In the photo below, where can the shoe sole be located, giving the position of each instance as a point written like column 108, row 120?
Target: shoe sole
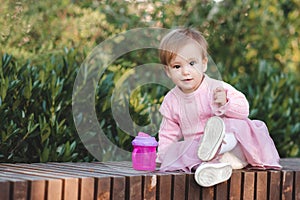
column 208, row 174
column 214, row 133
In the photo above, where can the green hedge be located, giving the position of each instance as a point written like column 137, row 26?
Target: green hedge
column 35, row 111
column 273, row 96
column 36, row 108
column 255, row 44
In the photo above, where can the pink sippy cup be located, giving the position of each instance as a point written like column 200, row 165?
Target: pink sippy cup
column 144, row 152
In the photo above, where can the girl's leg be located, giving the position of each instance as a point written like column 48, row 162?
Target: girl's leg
column 235, row 157
column 229, row 142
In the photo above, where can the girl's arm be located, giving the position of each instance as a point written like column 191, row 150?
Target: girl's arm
column 169, row 133
column 235, row 106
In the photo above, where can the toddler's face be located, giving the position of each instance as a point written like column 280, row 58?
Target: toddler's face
column 187, row 68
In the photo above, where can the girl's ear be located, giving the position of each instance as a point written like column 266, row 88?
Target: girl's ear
column 204, row 64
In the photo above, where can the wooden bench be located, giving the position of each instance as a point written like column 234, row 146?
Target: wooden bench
column 117, row 180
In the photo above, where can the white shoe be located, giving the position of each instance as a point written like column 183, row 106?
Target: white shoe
column 213, row 136
column 209, row 174
column 235, row 158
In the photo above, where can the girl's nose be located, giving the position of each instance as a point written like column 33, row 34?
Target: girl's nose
column 185, row 69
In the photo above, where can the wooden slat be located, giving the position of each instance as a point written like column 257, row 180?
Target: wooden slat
column 164, row 188
column 178, row 186
column 194, row 190
column 149, row 187
column 54, row 189
column 292, row 164
column 4, row 189
column 103, row 188
column 134, row 187
column 274, row 184
column 118, row 188
column 287, row 185
column 19, row 190
column 235, row 185
column 261, row 185
column 39, row 171
column 95, row 168
column 248, row 188
column 70, row 188
column 208, row 193
column 37, row 189
column 87, row 188
column 222, row 191
column 297, row 185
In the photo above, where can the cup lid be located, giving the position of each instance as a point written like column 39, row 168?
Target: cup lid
column 143, row 139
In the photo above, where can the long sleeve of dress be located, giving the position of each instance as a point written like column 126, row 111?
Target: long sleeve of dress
column 169, row 131
column 237, row 105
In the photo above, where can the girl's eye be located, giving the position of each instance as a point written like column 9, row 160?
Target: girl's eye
column 192, row 63
column 176, row 66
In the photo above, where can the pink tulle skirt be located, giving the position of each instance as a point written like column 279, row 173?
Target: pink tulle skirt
column 252, row 135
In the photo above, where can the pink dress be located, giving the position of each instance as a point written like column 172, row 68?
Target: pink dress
column 184, row 119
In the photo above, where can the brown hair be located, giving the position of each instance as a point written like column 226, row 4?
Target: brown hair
column 177, row 38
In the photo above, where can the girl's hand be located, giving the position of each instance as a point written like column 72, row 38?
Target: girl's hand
column 220, row 96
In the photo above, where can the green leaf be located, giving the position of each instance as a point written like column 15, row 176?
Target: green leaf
column 45, row 154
